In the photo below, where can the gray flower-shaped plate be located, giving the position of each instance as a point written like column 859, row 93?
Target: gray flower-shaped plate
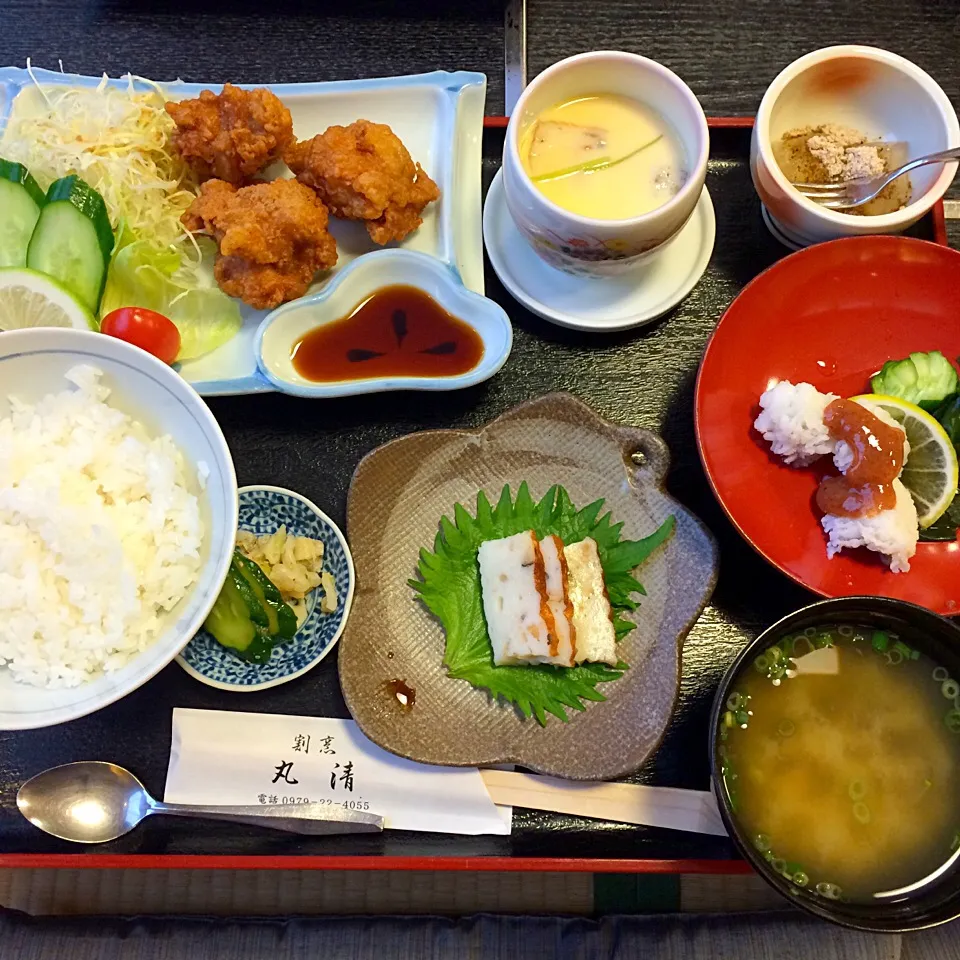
column 397, row 497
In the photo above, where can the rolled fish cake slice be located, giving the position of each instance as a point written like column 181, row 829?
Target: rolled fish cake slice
column 558, row 601
column 520, row 622
column 596, row 639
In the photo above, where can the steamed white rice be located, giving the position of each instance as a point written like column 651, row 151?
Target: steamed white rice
column 791, row 421
column 99, row 535
column 893, row 533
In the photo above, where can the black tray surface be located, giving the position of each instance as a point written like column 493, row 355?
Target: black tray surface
column 728, row 51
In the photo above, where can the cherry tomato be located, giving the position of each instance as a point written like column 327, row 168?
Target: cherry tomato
column 145, row 329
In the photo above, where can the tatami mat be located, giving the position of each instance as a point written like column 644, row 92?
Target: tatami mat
column 312, row 892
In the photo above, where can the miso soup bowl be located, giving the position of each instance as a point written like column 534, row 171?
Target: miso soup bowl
column 874, row 91
column 931, row 903
column 589, row 247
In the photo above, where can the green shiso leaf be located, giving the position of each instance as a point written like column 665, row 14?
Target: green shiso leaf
column 449, row 586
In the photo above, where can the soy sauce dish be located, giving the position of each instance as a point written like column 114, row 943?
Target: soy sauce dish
column 836, row 761
column 392, row 320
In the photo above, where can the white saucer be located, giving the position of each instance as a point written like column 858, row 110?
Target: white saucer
column 791, row 240
column 585, row 303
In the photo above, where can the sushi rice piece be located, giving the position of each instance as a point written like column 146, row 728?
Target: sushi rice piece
column 893, row 533
column 791, row 421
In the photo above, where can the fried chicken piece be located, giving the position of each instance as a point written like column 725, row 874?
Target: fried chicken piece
column 364, row 172
column 272, row 238
column 233, row 135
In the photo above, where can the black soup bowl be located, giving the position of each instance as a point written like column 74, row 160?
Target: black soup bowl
column 933, row 902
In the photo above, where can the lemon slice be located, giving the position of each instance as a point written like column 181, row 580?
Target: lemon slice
column 31, row 299
column 931, row 470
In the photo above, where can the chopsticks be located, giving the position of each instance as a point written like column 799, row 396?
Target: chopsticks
column 671, row 807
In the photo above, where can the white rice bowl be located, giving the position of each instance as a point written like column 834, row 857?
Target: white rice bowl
column 139, row 555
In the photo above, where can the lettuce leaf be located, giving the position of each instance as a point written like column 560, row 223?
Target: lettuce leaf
column 163, row 278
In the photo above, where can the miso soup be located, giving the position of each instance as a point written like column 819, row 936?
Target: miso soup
column 840, row 752
column 605, row 157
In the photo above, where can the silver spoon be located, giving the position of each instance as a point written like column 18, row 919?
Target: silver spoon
column 92, row 802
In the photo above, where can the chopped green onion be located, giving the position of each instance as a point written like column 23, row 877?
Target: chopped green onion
column 950, row 689
column 861, row 812
column 810, row 632
column 590, row 166
column 800, row 878
column 735, row 701
column 786, row 728
column 952, row 720
column 761, row 663
column 914, row 654
column 742, row 718
column 857, row 790
column 829, row 890
column 728, row 720
column 894, row 657
column 762, row 842
column 778, row 864
column 903, row 649
column 880, row 641
column 774, row 653
column 940, row 674
column 845, row 630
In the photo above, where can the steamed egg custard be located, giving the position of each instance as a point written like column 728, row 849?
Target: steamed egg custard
column 839, row 752
column 605, row 157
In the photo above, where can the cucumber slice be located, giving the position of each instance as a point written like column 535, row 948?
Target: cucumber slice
column 72, row 240
column 20, row 203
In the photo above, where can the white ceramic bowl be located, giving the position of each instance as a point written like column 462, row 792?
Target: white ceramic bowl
column 32, row 364
column 874, row 91
column 585, row 246
column 384, row 268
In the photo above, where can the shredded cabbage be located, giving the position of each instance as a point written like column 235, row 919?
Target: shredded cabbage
column 117, row 139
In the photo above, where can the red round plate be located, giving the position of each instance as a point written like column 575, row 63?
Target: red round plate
column 829, row 315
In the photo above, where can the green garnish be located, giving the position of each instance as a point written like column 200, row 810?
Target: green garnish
column 926, row 379
column 590, row 166
column 880, row 641
column 450, row 589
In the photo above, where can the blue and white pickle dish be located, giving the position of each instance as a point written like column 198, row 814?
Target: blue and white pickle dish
column 263, row 510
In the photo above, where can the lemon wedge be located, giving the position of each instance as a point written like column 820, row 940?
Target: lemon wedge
column 31, row 299
column 931, row 471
